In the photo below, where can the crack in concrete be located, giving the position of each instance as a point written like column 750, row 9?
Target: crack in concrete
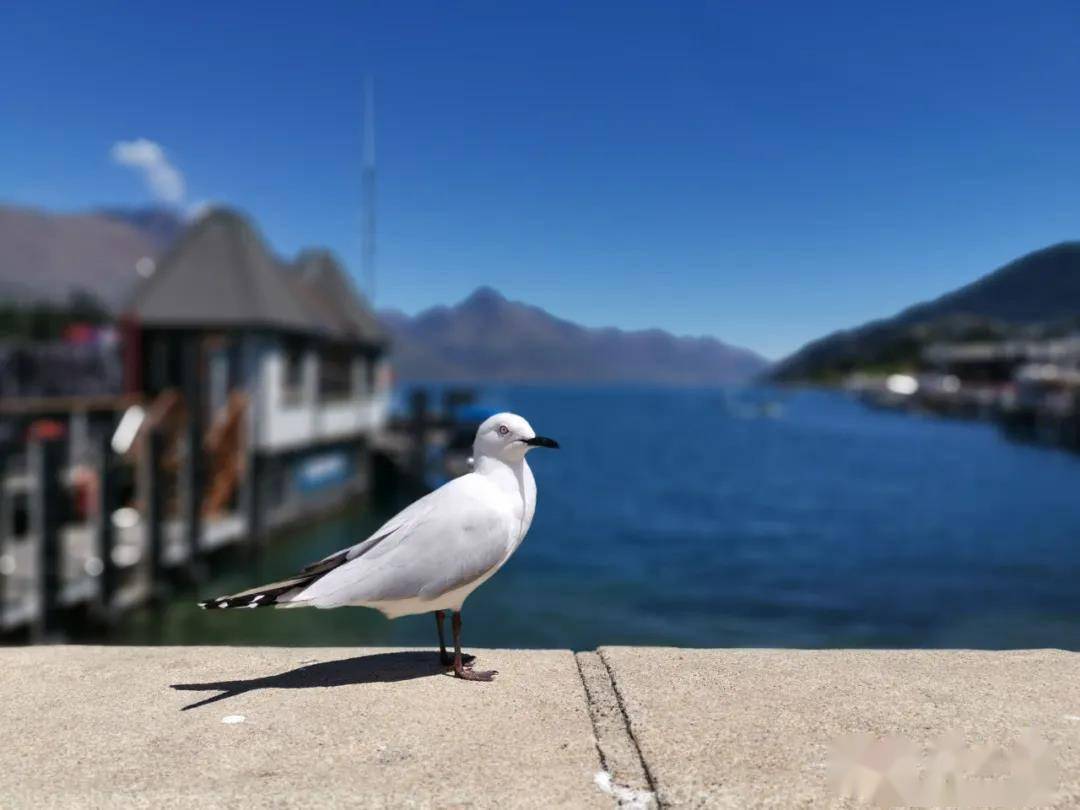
column 625, row 774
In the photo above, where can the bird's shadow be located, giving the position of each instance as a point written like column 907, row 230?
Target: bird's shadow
column 386, row 667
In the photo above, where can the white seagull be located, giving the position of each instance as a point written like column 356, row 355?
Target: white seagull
column 435, row 552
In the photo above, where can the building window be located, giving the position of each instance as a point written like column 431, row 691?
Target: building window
column 292, row 375
column 335, row 374
column 371, row 381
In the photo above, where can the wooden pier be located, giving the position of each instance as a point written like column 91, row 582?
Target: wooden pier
column 88, row 533
column 85, row 528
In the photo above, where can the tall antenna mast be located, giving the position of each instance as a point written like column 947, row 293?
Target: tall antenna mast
column 368, row 261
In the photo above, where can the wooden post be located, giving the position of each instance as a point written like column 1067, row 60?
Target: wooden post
column 45, row 457
column 250, row 380
column 253, row 507
column 6, row 524
column 362, row 471
column 106, row 534
column 154, row 503
column 131, row 341
column 193, row 463
column 418, row 401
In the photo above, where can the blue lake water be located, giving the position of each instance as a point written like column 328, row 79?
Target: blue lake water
column 705, row 518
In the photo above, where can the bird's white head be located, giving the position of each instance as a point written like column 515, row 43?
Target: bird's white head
column 508, row 437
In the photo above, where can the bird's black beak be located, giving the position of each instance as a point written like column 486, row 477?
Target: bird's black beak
column 542, row 441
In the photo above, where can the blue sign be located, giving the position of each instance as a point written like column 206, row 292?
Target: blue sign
column 323, row 470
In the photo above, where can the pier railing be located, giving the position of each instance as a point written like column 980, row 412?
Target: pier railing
column 86, row 529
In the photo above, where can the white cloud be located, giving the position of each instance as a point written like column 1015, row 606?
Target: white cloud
column 198, row 210
column 147, row 157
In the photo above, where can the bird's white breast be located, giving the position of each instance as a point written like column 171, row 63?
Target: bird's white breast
column 528, row 499
column 517, row 490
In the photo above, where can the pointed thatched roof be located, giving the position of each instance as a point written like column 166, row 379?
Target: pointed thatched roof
column 333, row 299
column 219, row 274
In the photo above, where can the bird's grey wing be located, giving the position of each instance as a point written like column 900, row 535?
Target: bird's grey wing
column 387, row 537
column 454, row 542
column 410, row 514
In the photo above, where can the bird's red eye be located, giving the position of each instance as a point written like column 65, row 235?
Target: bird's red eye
column 503, row 430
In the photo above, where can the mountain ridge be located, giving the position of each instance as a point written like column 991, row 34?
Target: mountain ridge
column 49, row 257
column 1040, row 288
column 487, row 337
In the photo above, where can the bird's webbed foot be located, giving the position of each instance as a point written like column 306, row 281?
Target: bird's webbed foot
column 468, row 674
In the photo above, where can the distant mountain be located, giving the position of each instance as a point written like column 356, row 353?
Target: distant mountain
column 47, row 257
column 55, row 258
column 1041, row 288
column 162, row 225
column 488, row 338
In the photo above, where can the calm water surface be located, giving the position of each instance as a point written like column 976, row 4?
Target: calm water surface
column 702, row 518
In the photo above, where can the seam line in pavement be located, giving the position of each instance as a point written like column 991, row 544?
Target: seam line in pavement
column 630, row 728
column 631, row 783
column 591, row 705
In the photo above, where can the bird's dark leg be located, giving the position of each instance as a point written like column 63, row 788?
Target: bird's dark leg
column 445, row 658
column 460, row 670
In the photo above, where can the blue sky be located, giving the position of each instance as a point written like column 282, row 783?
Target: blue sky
column 762, row 172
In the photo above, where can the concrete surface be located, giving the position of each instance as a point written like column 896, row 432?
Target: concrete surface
column 755, row 728
column 636, row 727
column 107, row 727
column 623, row 775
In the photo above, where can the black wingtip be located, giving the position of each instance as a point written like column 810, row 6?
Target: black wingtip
column 252, row 600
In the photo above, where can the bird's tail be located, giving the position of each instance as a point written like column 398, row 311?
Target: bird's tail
column 283, row 593
column 276, row 594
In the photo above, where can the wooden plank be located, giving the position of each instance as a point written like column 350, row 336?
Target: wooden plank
column 28, row 406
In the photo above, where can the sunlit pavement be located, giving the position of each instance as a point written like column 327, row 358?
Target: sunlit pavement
column 311, row 727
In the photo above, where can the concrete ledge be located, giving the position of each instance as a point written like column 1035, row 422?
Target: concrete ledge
column 148, row 727
column 311, row 727
column 755, row 728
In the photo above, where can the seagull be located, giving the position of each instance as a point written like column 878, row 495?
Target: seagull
column 435, row 552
